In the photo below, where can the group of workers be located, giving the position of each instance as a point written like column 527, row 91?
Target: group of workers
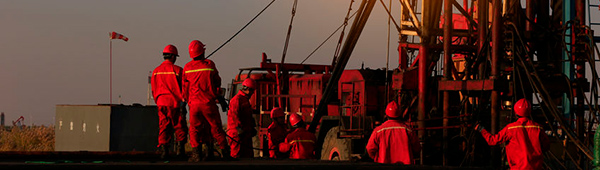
column 395, row 142
column 198, row 85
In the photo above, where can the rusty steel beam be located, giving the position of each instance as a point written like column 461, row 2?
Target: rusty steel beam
column 295, row 67
column 465, row 13
column 579, row 65
column 468, row 85
column 497, row 48
column 482, row 14
column 430, row 20
column 530, row 13
column 437, row 47
column 414, row 19
column 422, row 93
column 448, row 64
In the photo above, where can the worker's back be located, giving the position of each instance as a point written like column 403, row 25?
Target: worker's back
column 276, row 134
column 301, row 144
column 526, row 144
column 393, row 142
column 525, row 140
column 201, row 82
column 166, row 88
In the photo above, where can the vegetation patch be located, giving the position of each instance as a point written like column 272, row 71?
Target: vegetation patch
column 30, row 138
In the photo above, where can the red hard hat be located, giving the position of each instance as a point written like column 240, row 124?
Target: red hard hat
column 171, row 49
column 392, row 110
column 249, row 83
column 196, row 48
column 295, row 119
column 523, row 108
column 277, row 112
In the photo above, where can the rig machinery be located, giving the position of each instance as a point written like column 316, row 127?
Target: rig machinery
column 459, row 63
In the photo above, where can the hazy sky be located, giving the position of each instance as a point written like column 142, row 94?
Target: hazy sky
column 57, row 52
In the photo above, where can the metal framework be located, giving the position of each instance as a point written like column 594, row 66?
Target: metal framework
column 499, row 56
column 459, row 63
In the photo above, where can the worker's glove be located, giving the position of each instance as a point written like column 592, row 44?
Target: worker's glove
column 223, row 103
column 479, row 127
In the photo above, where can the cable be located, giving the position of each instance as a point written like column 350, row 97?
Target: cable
column 327, row 39
column 477, row 116
column 390, row 15
column 549, row 104
column 535, row 88
column 232, row 139
column 339, row 44
column 594, row 110
column 289, row 32
column 240, row 29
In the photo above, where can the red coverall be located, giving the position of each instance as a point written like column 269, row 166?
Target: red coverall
column 166, row 90
column 201, row 83
column 300, row 143
column 240, row 117
column 276, row 134
column 526, row 143
column 393, row 142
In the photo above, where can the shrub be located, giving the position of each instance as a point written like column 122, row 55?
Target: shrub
column 32, row 138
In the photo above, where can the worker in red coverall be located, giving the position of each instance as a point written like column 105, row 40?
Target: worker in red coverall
column 525, row 140
column 393, row 141
column 276, row 133
column 166, row 90
column 240, row 123
column 299, row 143
column 201, row 86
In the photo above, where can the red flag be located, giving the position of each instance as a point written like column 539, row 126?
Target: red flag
column 114, row 35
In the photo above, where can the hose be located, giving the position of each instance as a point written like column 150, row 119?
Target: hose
column 549, row 104
column 232, row 139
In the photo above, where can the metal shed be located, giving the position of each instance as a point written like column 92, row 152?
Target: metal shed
column 106, row 128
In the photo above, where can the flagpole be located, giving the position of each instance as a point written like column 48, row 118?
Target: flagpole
column 113, row 35
column 149, row 87
column 110, row 72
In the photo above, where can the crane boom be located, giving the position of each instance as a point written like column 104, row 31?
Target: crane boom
column 357, row 27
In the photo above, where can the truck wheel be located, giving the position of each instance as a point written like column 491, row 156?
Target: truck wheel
column 335, row 148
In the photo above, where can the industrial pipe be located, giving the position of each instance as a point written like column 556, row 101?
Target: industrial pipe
column 495, row 72
column 482, row 14
column 447, row 71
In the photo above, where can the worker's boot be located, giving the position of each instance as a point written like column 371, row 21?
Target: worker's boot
column 209, row 152
column 180, row 150
column 195, row 156
column 226, row 154
column 164, row 151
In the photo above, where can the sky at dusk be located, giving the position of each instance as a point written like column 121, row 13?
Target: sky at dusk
column 57, row 52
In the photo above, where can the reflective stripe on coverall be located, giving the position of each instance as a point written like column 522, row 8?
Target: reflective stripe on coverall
column 300, row 143
column 166, row 90
column 393, row 142
column 526, row 142
column 201, row 82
